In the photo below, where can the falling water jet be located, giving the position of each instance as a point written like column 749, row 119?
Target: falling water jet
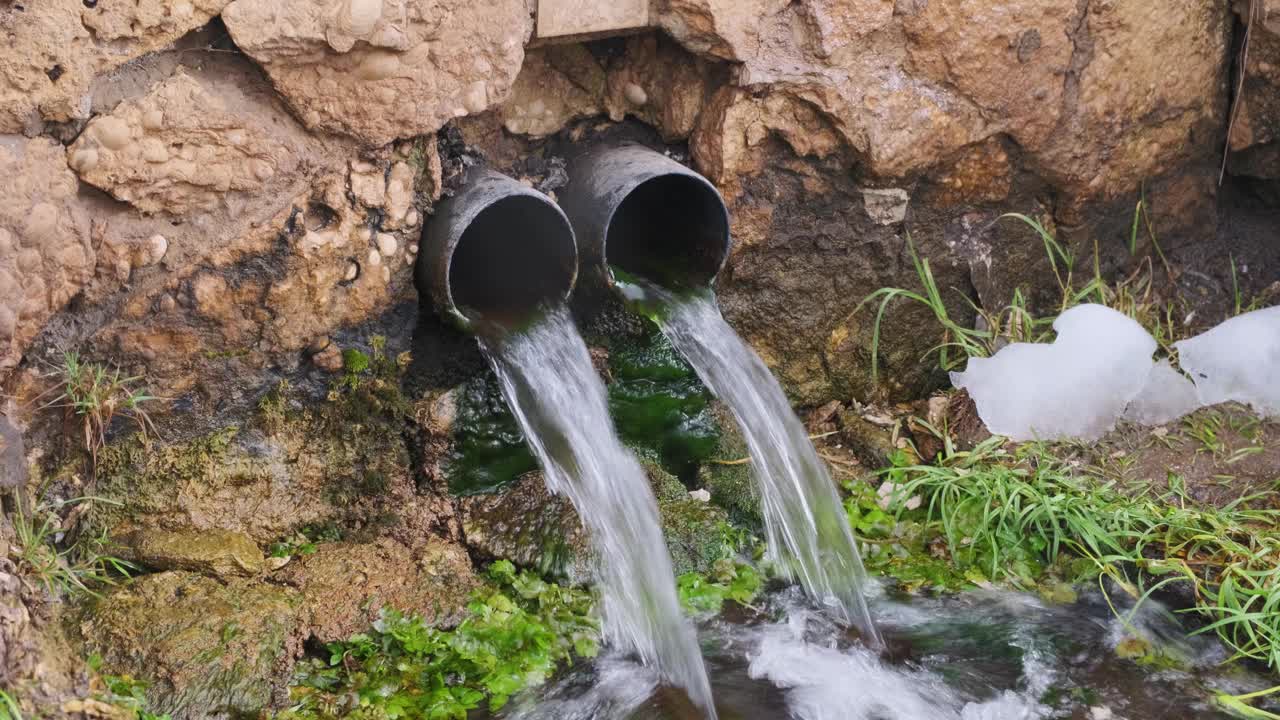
column 659, row 234
column 500, row 260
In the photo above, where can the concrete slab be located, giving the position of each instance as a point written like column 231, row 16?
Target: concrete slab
column 577, row 17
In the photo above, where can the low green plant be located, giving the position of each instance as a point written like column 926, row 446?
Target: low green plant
column 303, row 542
column 96, row 395
column 517, row 632
column 729, row 579
column 81, row 567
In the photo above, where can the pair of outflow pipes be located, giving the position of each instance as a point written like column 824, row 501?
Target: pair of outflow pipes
column 499, row 250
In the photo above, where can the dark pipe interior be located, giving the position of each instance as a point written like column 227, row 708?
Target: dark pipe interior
column 516, row 256
column 671, row 229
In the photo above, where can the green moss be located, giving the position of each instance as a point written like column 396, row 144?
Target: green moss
column 139, row 476
column 727, row 474
column 489, row 452
column 203, row 647
column 657, row 402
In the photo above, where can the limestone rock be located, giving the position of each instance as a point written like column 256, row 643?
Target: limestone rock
column 55, row 48
column 46, row 256
column 208, row 648
column 726, row 29
column 1011, row 59
column 1149, row 78
column 185, row 147
column 908, row 86
column 345, row 585
column 384, row 69
column 220, row 553
column 556, row 85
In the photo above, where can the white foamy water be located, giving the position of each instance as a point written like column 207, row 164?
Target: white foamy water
column 823, row 681
column 561, row 405
column 808, row 532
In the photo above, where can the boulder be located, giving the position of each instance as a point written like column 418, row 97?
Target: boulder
column 46, row 255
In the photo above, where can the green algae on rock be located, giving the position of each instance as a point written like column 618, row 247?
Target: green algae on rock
column 206, row 647
column 658, row 402
column 529, row 526
column 489, row 452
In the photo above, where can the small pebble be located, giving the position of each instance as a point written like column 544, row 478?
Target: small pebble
column 635, row 94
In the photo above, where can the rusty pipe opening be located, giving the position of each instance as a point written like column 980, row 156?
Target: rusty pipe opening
column 637, row 210
column 496, row 253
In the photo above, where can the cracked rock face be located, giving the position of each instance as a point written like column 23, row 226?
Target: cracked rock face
column 384, row 69
column 45, row 253
column 55, row 48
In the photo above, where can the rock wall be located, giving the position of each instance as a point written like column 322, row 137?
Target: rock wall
column 221, row 196
column 225, row 186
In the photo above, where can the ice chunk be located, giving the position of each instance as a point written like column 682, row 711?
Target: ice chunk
column 1166, row 396
column 1237, row 360
column 1075, row 387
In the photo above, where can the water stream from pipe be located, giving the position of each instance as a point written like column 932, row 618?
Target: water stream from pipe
column 562, row 408
column 808, row 533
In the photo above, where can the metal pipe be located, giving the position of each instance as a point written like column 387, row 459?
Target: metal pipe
column 640, row 211
column 496, row 252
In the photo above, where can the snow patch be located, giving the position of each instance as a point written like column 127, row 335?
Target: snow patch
column 1238, row 360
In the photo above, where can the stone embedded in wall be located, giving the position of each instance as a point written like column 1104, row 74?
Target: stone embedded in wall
column 46, row 255
column 727, row 145
column 384, row 69
column 726, row 29
column 54, row 49
column 1090, row 97
column 185, row 147
column 576, row 17
column 895, row 122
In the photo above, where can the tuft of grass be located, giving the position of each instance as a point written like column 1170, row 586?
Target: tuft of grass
column 9, row 709
column 1011, row 515
column 1133, row 295
column 517, row 633
column 96, row 395
column 79, row 568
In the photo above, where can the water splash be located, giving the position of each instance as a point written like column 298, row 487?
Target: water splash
column 808, row 533
column 561, row 405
